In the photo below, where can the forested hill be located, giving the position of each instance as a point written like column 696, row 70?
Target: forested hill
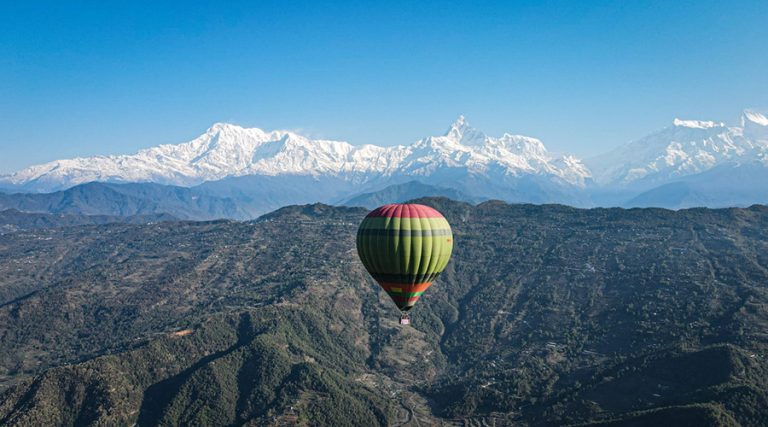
column 546, row 315
column 12, row 220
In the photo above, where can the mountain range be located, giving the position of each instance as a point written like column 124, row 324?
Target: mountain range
column 691, row 163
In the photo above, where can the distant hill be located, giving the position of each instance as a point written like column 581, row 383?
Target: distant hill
column 256, row 195
column 14, row 220
column 726, row 185
column 546, row 315
column 403, row 192
column 125, row 200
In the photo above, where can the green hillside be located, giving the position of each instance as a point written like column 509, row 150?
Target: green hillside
column 546, row 315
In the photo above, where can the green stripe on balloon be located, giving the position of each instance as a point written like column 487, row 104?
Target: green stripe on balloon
column 405, row 278
column 405, row 223
column 380, row 232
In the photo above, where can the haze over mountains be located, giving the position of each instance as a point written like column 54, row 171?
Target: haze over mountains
column 241, row 173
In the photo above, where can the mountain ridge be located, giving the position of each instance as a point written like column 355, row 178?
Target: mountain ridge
column 263, row 170
column 227, row 150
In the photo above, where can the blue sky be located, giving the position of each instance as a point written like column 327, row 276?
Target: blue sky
column 84, row 78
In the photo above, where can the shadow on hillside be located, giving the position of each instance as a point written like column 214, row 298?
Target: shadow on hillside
column 158, row 396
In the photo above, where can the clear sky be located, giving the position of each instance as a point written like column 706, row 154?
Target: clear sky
column 82, row 78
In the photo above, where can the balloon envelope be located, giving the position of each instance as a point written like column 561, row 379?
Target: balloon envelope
column 404, row 247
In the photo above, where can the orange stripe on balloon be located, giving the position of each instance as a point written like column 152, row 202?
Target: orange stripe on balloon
column 418, row 287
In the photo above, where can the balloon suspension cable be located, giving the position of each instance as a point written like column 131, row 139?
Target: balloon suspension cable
column 404, row 319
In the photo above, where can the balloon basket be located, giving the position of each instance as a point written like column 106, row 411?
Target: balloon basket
column 404, row 319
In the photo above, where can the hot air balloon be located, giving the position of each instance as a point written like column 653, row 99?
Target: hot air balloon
column 404, row 247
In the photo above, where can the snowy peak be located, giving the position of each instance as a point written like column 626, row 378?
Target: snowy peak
column 755, row 126
column 696, row 124
column 750, row 117
column 462, row 133
column 507, row 157
column 458, row 128
column 458, row 125
column 688, row 147
column 522, row 145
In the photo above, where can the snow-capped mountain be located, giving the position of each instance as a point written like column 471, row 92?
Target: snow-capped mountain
column 226, row 151
column 242, row 173
column 686, row 148
column 511, row 155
